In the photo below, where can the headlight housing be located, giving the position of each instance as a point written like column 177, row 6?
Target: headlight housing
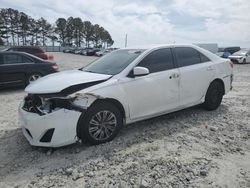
column 43, row 105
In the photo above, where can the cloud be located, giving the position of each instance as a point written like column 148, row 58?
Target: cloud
column 225, row 22
column 157, row 21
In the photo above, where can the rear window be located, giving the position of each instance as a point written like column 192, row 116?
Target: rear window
column 27, row 60
column 189, row 56
column 204, row 58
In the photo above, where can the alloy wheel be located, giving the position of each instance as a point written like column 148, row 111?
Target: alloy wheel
column 102, row 125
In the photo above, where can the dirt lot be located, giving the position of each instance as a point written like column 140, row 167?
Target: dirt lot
column 189, row 148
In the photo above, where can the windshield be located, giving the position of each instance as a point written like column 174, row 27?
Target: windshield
column 241, row 52
column 113, row 63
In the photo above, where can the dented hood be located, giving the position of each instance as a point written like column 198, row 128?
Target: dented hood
column 57, row 82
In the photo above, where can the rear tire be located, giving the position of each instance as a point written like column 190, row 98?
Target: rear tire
column 214, row 96
column 101, row 123
column 244, row 61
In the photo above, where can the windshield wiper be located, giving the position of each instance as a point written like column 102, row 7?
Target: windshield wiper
column 89, row 71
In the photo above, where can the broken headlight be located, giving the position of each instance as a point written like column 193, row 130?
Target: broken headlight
column 45, row 105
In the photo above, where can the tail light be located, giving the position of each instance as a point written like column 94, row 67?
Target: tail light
column 50, row 57
column 55, row 67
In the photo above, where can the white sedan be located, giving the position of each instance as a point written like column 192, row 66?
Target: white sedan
column 125, row 86
column 242, row 56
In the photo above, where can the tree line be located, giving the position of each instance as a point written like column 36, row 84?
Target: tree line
column 17, row 28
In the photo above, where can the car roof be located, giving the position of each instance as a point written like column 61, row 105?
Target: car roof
column 148, row 48
column 153, row 46
column 21, row 53
column 14, row 52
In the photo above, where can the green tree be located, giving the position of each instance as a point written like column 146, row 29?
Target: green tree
column 87, row 32
column 78, row 31
column 17, row 27
column 2, row 30
column 97, row 33
column 45, row 29
column 60, row 29
column 24, row 27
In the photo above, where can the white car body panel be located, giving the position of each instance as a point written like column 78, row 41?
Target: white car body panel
column 141, row 97
column 63, row 121
column 198, row 77
column 56, row 82
column 141, row 89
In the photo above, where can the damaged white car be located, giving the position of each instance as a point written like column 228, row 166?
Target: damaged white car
column 123, row 87
column 242, row 56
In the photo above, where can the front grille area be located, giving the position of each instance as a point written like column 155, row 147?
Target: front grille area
column 47, row 136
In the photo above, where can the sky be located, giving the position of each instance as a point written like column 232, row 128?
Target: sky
column 226, row 22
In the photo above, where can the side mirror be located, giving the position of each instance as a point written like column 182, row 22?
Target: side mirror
column 140, row 71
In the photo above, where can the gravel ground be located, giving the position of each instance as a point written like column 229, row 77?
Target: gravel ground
column 189, row 148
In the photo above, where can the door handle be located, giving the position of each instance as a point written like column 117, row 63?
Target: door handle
column 174, row 75
column 210, row 68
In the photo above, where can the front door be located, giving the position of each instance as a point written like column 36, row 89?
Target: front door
column 157, row 92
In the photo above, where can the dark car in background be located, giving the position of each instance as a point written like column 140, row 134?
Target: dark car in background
column 19, row 68
column 86, row 50
column 70, row 50
column 34, row 50
column 93, row 51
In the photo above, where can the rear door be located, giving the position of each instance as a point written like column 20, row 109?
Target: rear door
column 13, row 69
column 196, row 73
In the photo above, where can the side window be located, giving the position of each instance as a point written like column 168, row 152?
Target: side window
column 1, row 59
column 12, row 59
column 204, row 58
column 187, row 56
column 26, row 60
column 158, row 60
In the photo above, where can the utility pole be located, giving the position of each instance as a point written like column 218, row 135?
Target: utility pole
column 126, row 40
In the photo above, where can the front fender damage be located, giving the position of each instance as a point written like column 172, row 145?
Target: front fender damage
column 86, row 99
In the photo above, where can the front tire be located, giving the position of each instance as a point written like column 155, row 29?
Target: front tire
column 101, row 123
column 214, row 96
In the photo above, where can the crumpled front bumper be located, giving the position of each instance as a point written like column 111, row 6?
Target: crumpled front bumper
column 51, row 130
